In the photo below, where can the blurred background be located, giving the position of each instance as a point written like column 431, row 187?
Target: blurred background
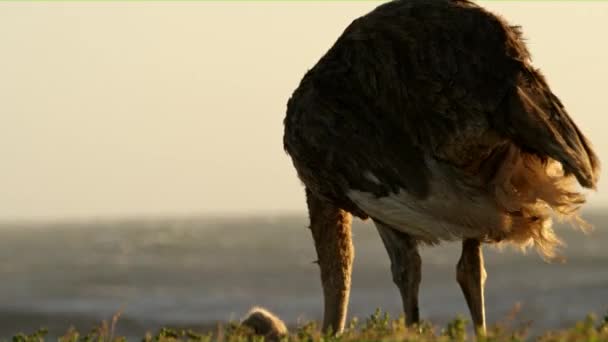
column 143, row 172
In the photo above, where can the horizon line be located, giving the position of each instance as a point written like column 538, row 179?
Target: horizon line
column 211, row 215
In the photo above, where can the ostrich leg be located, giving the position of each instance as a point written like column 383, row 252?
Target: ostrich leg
column 331, row 231
column 405, row 267
column 471, row 276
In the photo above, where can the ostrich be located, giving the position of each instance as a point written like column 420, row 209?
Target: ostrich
column 428, row 117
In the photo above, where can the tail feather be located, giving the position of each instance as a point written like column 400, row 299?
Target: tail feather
column 529, row 190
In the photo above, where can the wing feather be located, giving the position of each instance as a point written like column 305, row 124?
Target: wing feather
column 537, row 121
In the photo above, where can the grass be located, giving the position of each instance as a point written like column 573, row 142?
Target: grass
column 377, row 327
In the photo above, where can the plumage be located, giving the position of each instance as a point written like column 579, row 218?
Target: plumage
column 440, row 102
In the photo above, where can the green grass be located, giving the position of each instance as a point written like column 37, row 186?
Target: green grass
column 377, row 327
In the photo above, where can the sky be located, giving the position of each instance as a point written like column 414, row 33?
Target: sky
column 112, row 109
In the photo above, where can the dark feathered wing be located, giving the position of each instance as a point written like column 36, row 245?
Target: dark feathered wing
column 537, row 121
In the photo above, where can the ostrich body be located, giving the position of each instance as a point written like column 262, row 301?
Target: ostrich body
column 428, row 117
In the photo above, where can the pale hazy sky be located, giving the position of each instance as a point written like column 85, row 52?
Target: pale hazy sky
column 121, row 109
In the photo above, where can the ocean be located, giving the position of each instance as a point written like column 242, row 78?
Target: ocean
column 195, row 272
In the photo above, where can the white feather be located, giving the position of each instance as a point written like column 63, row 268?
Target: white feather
column 452, row 210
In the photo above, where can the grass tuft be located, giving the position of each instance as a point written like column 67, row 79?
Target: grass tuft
column 377, row 327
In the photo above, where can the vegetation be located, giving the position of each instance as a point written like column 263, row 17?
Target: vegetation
column 377, row 327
